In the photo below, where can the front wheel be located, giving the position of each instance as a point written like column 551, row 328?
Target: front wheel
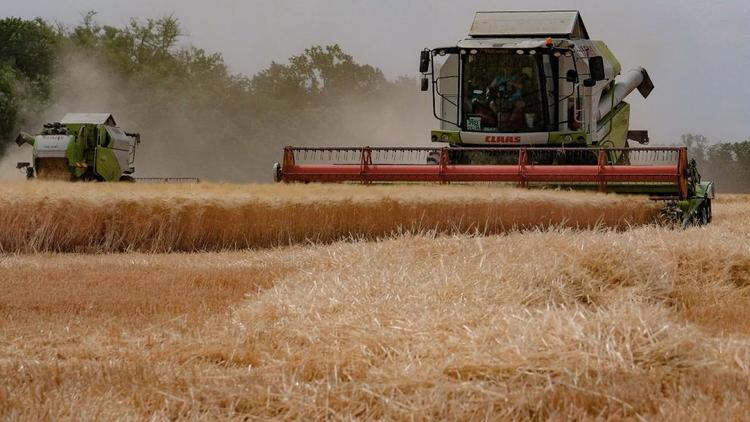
column 702, row 215
column 127, row 179
column 705, row 215
column 277, row 173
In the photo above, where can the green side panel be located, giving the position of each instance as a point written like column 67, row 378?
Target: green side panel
column 76, row 153
column 620, row 126
column 103, row 138
column 618, row 121
column 106, row 165
column 608, row 56
column 73, row 127
column 447, row 136
column 569, row 138
column 84, row 149
column 704, row 190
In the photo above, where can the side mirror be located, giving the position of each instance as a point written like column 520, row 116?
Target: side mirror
column 596, row 68
column 424, row 61
column 425, row 84
column 571, row 76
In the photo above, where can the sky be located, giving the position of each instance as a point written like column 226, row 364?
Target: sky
column 697, row 52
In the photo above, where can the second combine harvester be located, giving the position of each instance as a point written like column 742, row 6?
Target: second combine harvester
column 527, row 98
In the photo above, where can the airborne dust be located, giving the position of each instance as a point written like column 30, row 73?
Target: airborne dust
column 181, row 137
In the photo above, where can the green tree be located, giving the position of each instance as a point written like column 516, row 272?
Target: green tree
column 27, row 57
column 28, row 46
column 8, row 105
column 319, row 74
column 140, row 47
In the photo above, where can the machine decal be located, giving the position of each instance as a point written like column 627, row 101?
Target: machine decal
column 502, row 139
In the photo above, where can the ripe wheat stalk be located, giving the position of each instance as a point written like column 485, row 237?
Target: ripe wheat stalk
column 62, row 217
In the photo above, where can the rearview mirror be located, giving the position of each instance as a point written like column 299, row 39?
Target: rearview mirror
column 596, row 68
column 425, row 84
column 424, row 61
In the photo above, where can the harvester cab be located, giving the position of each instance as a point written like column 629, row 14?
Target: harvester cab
column 531, row 78
column 526, row 98
column 86, row 146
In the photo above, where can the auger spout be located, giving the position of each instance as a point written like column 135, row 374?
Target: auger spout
column 24, row 138
column 634, row 79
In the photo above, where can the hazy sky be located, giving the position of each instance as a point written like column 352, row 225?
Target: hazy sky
column 697, row 51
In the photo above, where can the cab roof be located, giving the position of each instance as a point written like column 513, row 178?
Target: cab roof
column 529, row 24
column 89, row 119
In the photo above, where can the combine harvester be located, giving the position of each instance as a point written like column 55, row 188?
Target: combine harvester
column 81, row 146
column 527, row 98
column 84, row 147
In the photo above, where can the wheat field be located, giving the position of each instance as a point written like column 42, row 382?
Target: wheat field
column 90, row 218
column 558, row 321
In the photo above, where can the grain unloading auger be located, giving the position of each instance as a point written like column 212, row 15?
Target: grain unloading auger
column 527, row 98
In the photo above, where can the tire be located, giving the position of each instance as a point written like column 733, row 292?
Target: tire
column 277, row 173
column 709, row 211
column 127, row 179
column 703, row 214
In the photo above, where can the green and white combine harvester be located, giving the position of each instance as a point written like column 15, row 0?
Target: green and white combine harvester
column 86, row 146
column 526, row 98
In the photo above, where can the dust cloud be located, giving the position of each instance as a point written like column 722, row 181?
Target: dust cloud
column 8, row 170
column 183, row 137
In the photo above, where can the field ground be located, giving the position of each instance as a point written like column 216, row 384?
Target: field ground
column 548, row 323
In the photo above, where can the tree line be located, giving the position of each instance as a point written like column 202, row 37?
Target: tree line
column 727, row 164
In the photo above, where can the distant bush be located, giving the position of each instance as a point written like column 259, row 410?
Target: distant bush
column 727, row 164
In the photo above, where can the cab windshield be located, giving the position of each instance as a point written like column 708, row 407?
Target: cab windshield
column 503, row 92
